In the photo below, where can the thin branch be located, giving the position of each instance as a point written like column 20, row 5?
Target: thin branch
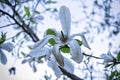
column 25, row 27
column 91, row 77
column 92, row 56
column 117, row 63
column 7, row 25
column 36, row 5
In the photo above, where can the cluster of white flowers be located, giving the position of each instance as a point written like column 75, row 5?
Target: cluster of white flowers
column 52, row 54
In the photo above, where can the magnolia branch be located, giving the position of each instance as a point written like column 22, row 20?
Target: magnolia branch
column 92, row 56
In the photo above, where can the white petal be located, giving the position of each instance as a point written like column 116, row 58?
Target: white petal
column 65, row 19
column 3, row 58
column 57, row 55
column 52, row 63
column 68, row 65
column 48, row 53
column 7, row 46
column 107, row 58
column 36, row 52
column 85, row 43
column 42, row 42
column 39, row 49
column 75, row 51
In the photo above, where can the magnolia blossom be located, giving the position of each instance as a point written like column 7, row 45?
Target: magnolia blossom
column 63, row 38
column 107, row 58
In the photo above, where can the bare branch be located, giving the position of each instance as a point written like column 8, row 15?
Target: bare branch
column 92, row 56
column 7, row 25
column 24, row 26
column 91, row 77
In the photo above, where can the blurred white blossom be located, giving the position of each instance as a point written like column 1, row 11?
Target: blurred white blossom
column 37, row 18
column 5, row 46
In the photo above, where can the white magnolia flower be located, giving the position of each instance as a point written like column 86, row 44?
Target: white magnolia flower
column 62, row 38
column 107, row 58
